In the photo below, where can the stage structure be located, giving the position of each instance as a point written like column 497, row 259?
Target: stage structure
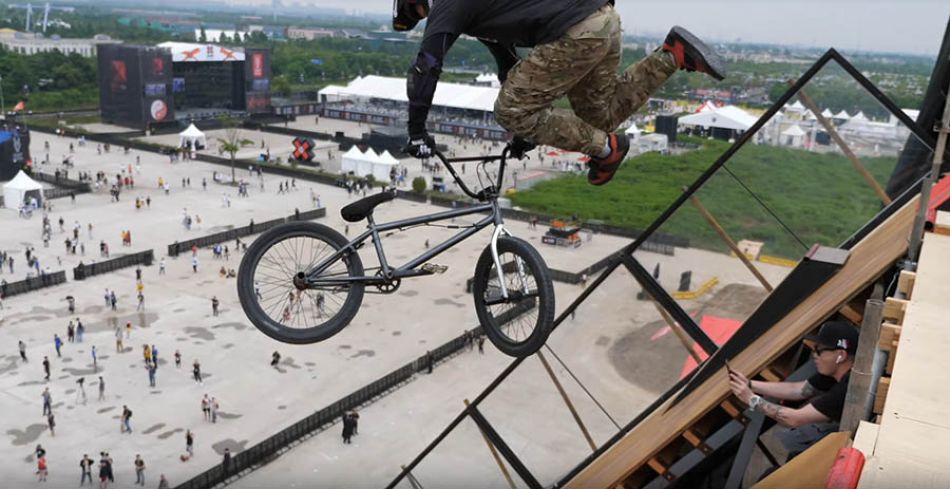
column 14, row 150
column 145, row 87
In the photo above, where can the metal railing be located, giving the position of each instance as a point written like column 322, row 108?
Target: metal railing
column 85, row 270
column 32, row 283
column 177, row 248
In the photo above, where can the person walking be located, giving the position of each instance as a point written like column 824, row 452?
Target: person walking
column 126, row 419
column 51, row 422
column 481, row 345
column 347, row 428
column 190, row 443
column 177, row 359
column 163, row 483
column 22, row 347
column 152, row 369
column 196, row 371
column 118, row 340
column 226, row 462
column 80, row 330
column 105, row 471
column 58, row 342
column 161, row 266
column 214, row 305
column 85, row 465
column 102, row 389
column 47, row 402
column 429, row 362
column 206, row 407
column 41, row 468
column 81, row 392
column 214, row 410
column 194, row 264
column 95, row 358
column 139, row 470
column 128, row 330
column 46, row 366
column 275, row 359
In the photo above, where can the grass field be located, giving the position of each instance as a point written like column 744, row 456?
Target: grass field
column 819, row 197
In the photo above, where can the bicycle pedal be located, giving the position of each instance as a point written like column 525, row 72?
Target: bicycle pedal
column 433, row 268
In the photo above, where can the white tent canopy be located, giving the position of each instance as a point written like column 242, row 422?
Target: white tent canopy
column 452, row 95
column 827, row 114
column 22, row 189
column 369, row 163
column 192, row 137
column 633, row 131
column 794, row 130
column 842, row 115
column 728, row 117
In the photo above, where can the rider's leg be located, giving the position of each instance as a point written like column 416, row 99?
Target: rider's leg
column 549, row 72
column 605, row 100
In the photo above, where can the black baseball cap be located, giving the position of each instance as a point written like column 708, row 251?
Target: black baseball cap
column 840, row 335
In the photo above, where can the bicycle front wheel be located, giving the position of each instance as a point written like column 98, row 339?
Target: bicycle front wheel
column 520, row 323
column 273, row 302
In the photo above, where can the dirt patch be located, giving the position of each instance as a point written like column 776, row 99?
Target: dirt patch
column 656, row 364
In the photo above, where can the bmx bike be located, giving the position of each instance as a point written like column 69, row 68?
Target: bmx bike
column 303, row 282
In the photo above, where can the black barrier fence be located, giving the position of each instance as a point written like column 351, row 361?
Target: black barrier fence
column 62, row 182
column 32, row 283
column 177, row 248
column 85, row 270
column 323, row 418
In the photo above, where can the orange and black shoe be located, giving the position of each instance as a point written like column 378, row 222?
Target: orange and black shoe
column 691, row 54
column 603, row 169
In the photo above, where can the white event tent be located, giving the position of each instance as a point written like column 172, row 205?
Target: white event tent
column 192, row 137
column 368, row 163
column 451, row 95
column 727, row 117
column 21, row 190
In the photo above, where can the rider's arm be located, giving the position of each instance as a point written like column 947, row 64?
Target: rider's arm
column 423, row 77
column 505, row 56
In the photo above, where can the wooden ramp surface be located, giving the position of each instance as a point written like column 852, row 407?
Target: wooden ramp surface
column 869, row 258
column 911, row 445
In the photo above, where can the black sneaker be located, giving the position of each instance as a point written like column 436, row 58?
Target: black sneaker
column 603, row 169
column 691, row 54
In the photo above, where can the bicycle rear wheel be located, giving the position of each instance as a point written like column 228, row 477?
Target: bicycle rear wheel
column 276, row 306
column 519, row 324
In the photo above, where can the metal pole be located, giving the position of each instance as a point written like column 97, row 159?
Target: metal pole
column 567, row 401
column 862, row 372
column 917, row 235
column 494, row 453
column 683, row 337
column 725, row 237
column 830, row 129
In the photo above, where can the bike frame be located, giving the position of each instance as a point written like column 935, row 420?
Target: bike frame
column 489, row 197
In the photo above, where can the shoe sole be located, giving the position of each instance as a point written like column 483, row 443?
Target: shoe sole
column 713, row 61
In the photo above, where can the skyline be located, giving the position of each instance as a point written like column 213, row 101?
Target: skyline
column 911, row 27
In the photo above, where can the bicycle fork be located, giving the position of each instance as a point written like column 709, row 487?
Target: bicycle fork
column 499, row 230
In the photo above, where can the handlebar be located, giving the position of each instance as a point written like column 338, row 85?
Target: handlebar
column 481, row 195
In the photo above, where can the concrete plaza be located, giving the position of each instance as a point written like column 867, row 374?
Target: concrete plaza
column 257, row 400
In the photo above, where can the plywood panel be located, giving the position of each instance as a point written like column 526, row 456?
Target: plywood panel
column 810, row 469
column 869, row 258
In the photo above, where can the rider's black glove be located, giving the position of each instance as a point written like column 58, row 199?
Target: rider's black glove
column 421, row 146
column 519, row 147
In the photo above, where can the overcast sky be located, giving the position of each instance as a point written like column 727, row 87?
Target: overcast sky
column 912, row 26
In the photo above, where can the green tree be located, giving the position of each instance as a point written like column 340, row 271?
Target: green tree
column 419, row 185
column 232, row 142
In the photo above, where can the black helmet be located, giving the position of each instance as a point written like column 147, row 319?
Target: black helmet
column 405, row 16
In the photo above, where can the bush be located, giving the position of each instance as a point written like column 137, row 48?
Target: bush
column 419, row 185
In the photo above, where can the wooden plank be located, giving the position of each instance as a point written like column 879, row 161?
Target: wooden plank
column 891, row 358
column 942, row 224
column 908, row 454
column 810, row 469
column 905, row 283
column 770, row 375
column 881, row 396
column 869, row 259
column 894, row 309
column 865, row 438
column 889, row 333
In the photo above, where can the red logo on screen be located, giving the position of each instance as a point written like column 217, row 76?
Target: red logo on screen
column 158, row 66
column 119, row 75
column 257, row 65
column 191, row 54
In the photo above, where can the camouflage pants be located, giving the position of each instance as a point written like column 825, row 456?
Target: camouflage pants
column 582, row 65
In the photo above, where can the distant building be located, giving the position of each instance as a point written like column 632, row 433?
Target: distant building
column 34, row 43
column 309, row 34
